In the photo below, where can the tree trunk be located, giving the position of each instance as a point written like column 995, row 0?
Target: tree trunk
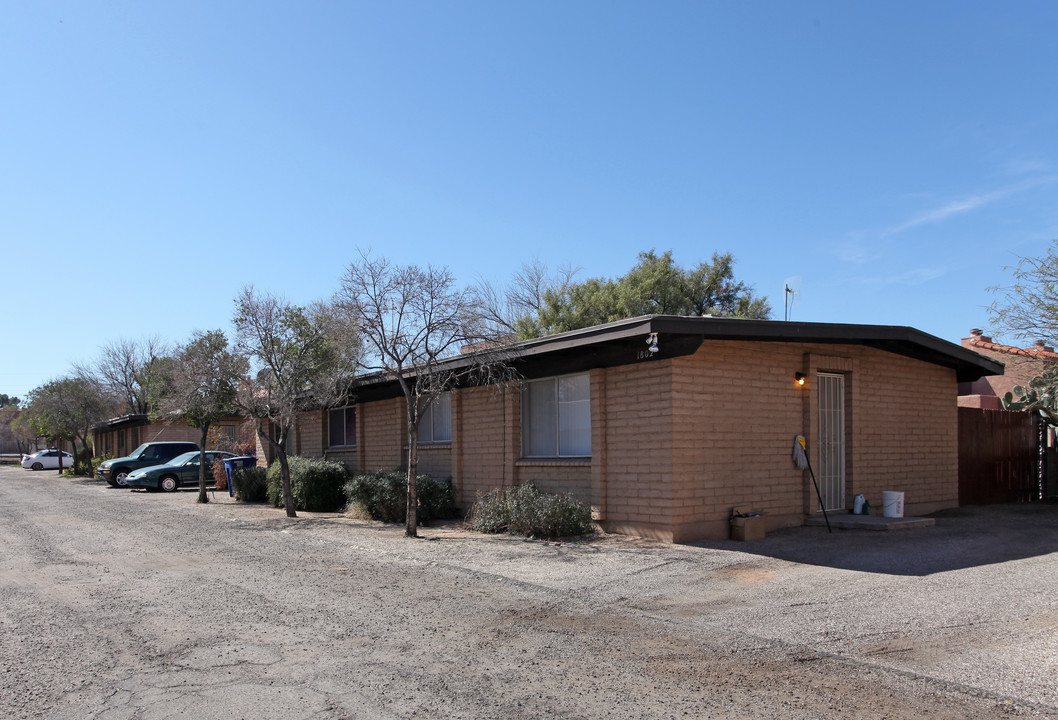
column 88, row 455
column 284, row 466
column 412, row 524
column 202, row 496
column 58, row 449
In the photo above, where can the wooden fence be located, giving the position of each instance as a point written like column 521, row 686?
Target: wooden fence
column 999, row 456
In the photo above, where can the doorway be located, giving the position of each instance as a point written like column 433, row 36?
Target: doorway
column 832, row 440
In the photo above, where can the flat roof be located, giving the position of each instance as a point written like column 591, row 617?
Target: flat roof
column 608, row 345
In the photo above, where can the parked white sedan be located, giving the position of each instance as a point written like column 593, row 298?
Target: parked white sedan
column 47, row 460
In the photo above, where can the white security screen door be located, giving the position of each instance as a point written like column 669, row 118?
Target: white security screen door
column 832, row 440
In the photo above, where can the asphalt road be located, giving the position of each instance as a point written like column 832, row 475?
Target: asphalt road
column 117, row 604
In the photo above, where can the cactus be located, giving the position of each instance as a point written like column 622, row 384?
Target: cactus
column 1039, row 397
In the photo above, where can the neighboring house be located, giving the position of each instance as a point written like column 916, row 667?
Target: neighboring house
column 1005, row 456
column 1022, row 364
column 664, row 443
column 119, row 436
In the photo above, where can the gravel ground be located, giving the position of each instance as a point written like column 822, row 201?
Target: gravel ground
column 120, row 604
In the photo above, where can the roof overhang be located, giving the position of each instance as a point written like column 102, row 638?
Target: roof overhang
column 121, row 422
column 625, row 342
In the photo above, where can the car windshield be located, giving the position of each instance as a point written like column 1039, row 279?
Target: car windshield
column 185, row 458
column 135, row 455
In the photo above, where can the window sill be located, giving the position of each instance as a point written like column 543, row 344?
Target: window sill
column 340, row 449
column 436, row 446
column 554, row 462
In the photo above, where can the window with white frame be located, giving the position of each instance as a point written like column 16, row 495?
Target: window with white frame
column 435, row 425
column 556, row 417
column 341, row 427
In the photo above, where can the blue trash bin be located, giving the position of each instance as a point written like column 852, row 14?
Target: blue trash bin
column 237, row 462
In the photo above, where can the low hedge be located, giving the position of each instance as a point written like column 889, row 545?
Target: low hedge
column 317, row 485
column 524, row 510
column 383, row 494
column 250, row 484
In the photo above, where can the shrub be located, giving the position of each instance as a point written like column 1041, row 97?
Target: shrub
column 316, row 484
column 250, row 484
column 383, row 494
column 524, row 510
column 220, row 475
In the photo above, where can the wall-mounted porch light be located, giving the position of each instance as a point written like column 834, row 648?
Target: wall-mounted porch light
column 800, row 378
column 652, row 341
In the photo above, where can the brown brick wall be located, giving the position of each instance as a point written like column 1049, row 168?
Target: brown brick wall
column 436, row 460
column 633, row 435
column 380, row 432
column 907, row 436
column 312, row 433
column 677, row 443
column 738, row 410
column 485, row 456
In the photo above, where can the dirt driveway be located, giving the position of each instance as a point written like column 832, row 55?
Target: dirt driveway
column 118, row 604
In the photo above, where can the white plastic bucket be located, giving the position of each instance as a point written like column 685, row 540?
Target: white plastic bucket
column 892, row 504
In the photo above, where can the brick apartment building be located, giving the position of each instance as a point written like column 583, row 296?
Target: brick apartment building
column 119, row 436
column 664, row 423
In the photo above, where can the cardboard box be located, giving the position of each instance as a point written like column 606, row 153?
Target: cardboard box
column 746, row 528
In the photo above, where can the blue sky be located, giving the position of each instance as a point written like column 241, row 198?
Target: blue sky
column 894, row 156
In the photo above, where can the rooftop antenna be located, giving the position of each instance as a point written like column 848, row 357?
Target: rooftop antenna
column 791, row 289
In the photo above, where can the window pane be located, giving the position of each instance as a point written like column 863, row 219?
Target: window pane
column 426, row 425
column 336, row 427
column 574, row 416
column 350, row 426
column 442, row 418
column 540, row 428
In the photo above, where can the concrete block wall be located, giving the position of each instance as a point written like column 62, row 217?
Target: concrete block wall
column 632, row 448
column 312, row 433
column 677, row 443
column 380, row 434
column 571, row 476
column 906, row 434
column 483, row 422
column 435, row 460
column 736, row 412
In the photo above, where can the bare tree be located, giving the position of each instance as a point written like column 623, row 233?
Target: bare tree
column 204, row 386
column 1028, row 307
column 510, row 311
column 137, row 371
column 301, row 360
column 412, row 320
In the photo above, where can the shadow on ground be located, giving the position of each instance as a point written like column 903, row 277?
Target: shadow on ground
column 962, row 538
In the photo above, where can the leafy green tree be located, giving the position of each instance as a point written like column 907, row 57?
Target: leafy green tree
column 203, row 388
column 9, row 400
column 655, row 285
column 65, row 410
column 301, row 359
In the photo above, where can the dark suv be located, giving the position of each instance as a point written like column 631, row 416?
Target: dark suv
column 153, row 453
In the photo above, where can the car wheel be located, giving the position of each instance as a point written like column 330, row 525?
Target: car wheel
column 36, row 466
column 169, row 483
column 119, row 477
